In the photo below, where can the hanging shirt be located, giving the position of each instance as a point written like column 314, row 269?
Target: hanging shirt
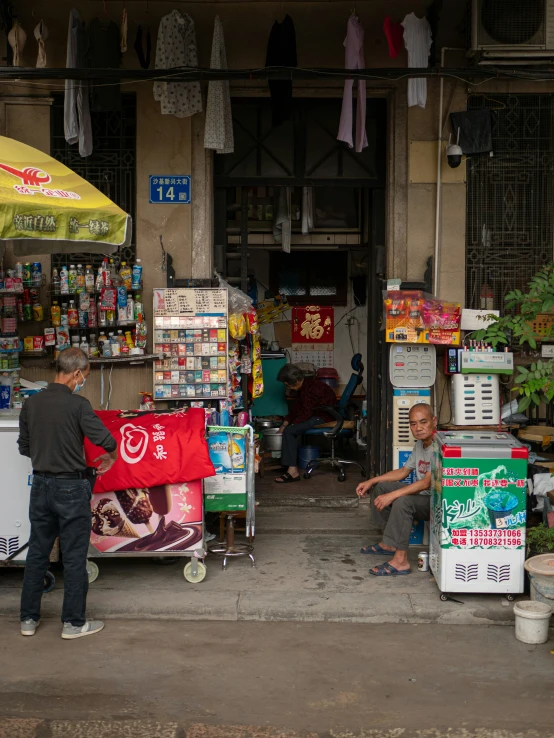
column 218, row 132
column 104, row 52
column 76, row 113
column 395, row 36
column 281, row 52
column 354, row 59
column 176, row 47
column 417, row 40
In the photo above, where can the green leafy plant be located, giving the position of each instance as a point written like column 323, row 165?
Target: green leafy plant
column 535, row 383
column 540, row 539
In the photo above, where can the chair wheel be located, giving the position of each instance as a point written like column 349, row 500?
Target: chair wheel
column 49, row 582
column 341, row 477
column 306, row 475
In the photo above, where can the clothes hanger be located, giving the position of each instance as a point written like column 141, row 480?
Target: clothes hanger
column 501, row 105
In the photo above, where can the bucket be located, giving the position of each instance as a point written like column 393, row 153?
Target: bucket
column 307, row 454
column 532, row 621
column 541, row 577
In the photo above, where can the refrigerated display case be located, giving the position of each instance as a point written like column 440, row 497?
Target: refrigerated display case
column 15, row 490
column 478, row 512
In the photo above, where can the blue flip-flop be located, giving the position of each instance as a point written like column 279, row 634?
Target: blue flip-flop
column 376, row 550
column 388, row 570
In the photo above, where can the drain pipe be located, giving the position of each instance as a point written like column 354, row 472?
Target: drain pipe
column 436, row 276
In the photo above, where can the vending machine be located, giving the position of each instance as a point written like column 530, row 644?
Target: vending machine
column 478, row 512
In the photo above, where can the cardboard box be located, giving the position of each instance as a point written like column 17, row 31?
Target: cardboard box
column 225, row 492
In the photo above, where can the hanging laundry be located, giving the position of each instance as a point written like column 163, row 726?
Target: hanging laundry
column 144, row 59
column 281, row 52
column 176, row 47
column 104, row 52
column 354, row 59
column 417, row 40
column 41, row 34
column 282, row 225
column 395, row 36
column 16, row 39
column 124, row 31
column 218, row 131
column 307, row 210
column 76, row 114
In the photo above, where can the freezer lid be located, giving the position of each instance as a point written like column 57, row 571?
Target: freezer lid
column 9, row 422
column 480, row 445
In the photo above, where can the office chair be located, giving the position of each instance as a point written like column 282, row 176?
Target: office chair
column 338, row 431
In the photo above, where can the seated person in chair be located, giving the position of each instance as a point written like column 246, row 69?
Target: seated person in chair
column 311, row 394
column 395, row 504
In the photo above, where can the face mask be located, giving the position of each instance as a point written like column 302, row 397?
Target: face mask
column 79, row 387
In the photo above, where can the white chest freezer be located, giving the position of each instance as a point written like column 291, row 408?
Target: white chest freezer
column 15, row 489
column 478, row 512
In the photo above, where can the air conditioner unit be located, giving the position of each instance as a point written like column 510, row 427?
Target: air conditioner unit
column 512, row 29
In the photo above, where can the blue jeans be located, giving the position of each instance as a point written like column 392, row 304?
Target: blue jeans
column 58, row 507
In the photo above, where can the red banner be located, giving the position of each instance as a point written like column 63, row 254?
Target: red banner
column 313, row 327
column 154, row 448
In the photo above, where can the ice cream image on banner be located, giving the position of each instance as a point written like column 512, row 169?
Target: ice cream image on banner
column 499, row 506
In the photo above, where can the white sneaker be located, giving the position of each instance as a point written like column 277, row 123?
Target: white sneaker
column 28, row 627
column 71, row 632
column 209, row 536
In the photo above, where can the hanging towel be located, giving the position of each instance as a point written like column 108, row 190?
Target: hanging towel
column 281, row 52
column 354, row 59
column 176, row 47
column 417, row 40
column 144, row 59
column 76, row 113
column 307, row 210
column 395, row 36
column 282, row 226
column 124, row 29
column 41, row 34
column 218, row 132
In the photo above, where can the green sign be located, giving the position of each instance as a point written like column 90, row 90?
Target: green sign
column 478, row 503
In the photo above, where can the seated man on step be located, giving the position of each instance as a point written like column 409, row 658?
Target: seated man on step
column 395, row 504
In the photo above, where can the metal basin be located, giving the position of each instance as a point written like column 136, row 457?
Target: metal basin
column 272, row 439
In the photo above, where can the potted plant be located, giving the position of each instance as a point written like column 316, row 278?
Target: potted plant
column 535, row 382
column 540, row 540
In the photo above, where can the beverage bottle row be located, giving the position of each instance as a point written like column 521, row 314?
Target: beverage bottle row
column 77, row 280
column 88, row 314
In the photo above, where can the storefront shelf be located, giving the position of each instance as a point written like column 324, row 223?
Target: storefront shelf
column 136, row 359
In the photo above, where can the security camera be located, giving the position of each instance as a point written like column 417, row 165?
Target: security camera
column 454, row 152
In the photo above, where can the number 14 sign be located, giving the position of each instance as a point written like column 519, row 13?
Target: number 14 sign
column 170, row 189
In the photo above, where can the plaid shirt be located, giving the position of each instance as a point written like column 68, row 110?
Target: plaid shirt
column 313, row 393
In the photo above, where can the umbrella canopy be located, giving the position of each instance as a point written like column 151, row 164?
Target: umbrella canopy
column 45, row 208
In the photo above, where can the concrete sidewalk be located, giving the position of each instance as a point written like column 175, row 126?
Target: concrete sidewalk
column 308, row 568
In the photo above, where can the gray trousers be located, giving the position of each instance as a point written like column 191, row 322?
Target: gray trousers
column 397, row 519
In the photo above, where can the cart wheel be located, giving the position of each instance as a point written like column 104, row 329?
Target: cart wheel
column 49, row 582
column 444, row 598
column 510, row 598
column 92, row 571
column 200, row 573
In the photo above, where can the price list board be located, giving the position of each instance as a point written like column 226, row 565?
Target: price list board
column 190, row 328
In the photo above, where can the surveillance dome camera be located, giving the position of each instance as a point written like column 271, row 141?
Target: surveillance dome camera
column 454, row 152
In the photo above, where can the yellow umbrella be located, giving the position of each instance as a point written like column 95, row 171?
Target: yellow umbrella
column 46, row 208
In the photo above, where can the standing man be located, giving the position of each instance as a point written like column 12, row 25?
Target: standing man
column 396, row 504
column 52, row 428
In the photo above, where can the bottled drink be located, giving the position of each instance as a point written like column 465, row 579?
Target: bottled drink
column 80, row 279
column 75, row 341
column 56, row 315
column 130, row 309
column 83, row 319
column 115, row 279
column 72, row 315
column 84, row 345
column 110, row 317
column 137, row 275
column 56, row 282
column 126, row 275
column 138, row 308
column 64, row 317
column 92, row 317
column 17, row 400
column 89, row 279
column 102, row 340
column 72, row 279
column 99, row 279
column 93, row 346
column 101, row 315
column 64, row 281
column 129, row 340
column 122, row 314
column 106, row 276
column 115, row 347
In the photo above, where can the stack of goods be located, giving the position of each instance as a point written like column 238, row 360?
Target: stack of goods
column 83, row 302
column 228, row 453
column 412, row 316
column 244, row 356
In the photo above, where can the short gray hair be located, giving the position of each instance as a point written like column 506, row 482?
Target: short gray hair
column 423, row 406
column 290, row 374
column 71, row 360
